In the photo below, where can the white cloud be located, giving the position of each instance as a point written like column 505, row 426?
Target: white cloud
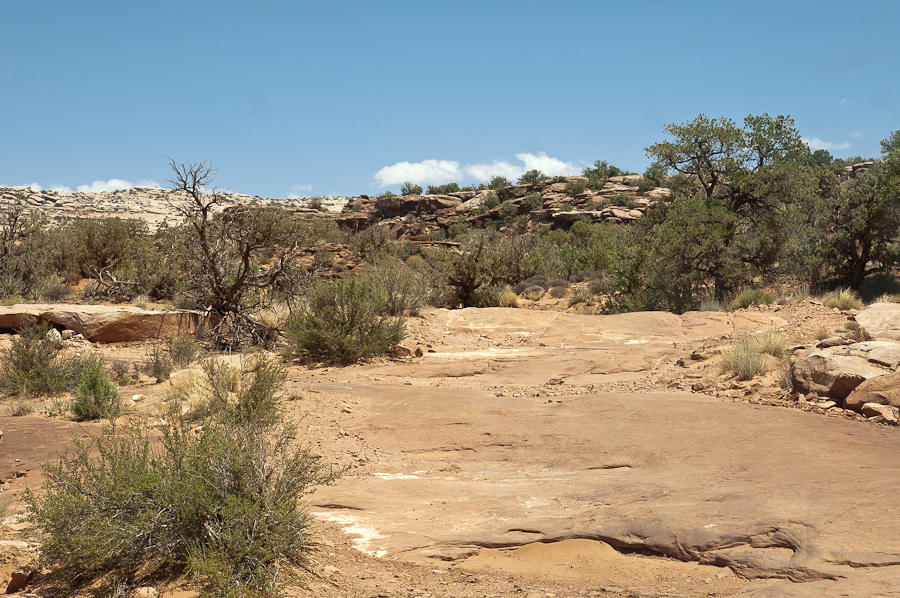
column 100, row 186
column 855, row 134
column 817, row 144
column 303, row 188
column 61, row 188
column 844, row 102
column 35, row 187
column 437, row 172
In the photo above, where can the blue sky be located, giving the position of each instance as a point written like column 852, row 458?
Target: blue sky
column 343, row 98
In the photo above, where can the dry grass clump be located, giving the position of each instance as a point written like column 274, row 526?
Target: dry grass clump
column 843, row 299
column 508, row 298
column 142, row 301
column 534, row 293
column 751, row 297
column 745, row 359
column 559, row 292
column 887, row 298
column 581, row 295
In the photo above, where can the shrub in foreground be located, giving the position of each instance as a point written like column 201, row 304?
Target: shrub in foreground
column 745, row 358
column 343, row 322
column 96, row 396
column 222, row 502
column 30, row 366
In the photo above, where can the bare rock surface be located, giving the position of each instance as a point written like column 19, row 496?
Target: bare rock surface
column 884, row 390
column 881, row 320
column 105, row 323
column 475, row 447
column 829, row 374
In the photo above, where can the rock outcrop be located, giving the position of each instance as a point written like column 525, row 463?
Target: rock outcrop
column 105, row 323
column 881, row 320
column 829, row 375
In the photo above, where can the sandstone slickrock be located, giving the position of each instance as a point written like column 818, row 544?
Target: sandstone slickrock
column 881, row 320
column 830, row 375
column 884, row 390
column 104, row 323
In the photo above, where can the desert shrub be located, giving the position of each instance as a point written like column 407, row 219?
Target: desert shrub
column 408, row 188
column 222, row 502
column 645, row 185
column 743, row 359
column 142, row 301
column 537, row 280
column 21, row 407
column 57, row 407
column 344, row 321
column 750, row 297
column 623, row 200
column 443, row 189
column 533, row 201
column 851, row 325
column 508, row 298
column 55, row 289
column 581, row 295
column 770, row 342
column 30, row 366
column 534, row 293
column 403, row 289
column 574, row 188
column 559, row 292
column 710, row 304
column 598, row 286
column 889, row 298
column 566, row 207
column 843, row 299
column 531, row 177
column 490, row 201
column 183, row 350
column 158, row 364
column 96, row 396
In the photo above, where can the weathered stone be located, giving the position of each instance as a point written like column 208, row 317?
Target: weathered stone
column 19, row 580
column 883, row 353
column 830, row 375
column 881, row 320
column 884, row 390
column 886, row 411
column 105, row 323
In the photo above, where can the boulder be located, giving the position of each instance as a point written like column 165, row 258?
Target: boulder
column 881, row 320
column 834, row 376
column 883, row 353
column 884, row 390
column 105, row 323
column 878, row 410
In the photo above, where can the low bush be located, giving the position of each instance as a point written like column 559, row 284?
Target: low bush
column 508, row 298
column 96, row 397
column 851, row 325
column 598, row 286
column 843, row 299
column 158, row 364
column 55, row 290
column 745, row 358
column 751, row 297
column 559, row 292
column 184, row 350
column 709, row 304
column 343, row 322
column 574, row 188
column 581, row 295
column 30, row 366
column 221, row 502
column 878, row 285
column 742, row 359
column 21, row 407
column 534, row 293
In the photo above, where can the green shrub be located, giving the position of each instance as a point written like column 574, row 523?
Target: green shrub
column 851, row 325
column 158, row 364
column 750, row 297
column 531, row 177
column 410, row 189
column 97, row 396
column 344, row 321
column 574, row 188
column 624, row 200
column 30, row 366
column 533, row 201
column 55, row 290
column 843, row 299
column 222, row 502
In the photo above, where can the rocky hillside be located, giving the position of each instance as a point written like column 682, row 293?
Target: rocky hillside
column 151, row 204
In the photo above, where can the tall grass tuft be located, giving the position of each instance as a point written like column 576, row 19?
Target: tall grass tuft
column 843, row 299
